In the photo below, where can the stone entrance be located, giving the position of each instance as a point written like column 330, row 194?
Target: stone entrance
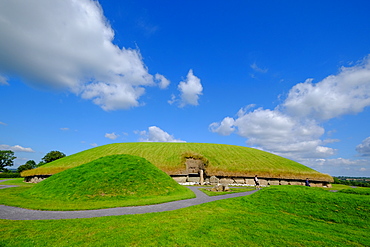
column 195, row 170
column 193, row 166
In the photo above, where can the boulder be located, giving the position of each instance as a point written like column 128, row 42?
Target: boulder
column 220, row 187
column 214, row 180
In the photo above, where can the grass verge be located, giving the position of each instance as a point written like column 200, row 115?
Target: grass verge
column 208, row 192
column 16, row 181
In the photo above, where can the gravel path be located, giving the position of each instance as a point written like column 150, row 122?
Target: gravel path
column 6, row 186
column 14, row 213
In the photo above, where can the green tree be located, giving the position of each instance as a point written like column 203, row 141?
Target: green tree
column 31, row 163
column 41, row 163
column 28, row 166
column 51, row 156
column 6, row 159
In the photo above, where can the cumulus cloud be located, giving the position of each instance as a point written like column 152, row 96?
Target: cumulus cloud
column 294, row 128
column 226, row 127
column 66, row 44
column 172, row 100
column 339, row 166
column 190, row 90
column 111, row 136
column 163, row 82
column 348, row 92
column 364, row 147
column 275, row 131
column 16, row 148
column 155, row 134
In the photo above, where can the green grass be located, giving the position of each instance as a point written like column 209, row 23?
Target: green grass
column 359, row 191
column 338, row 187
column 15, row 181
column 223, row 160
column 349, row 189
column 274, row 216
column 208, row 191
column 111, row 181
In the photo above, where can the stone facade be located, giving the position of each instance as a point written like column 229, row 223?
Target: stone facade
column 35, row 179
column 193, row 166
column 244, row 181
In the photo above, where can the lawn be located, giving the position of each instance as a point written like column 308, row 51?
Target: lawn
column 232, row 190
column 274, row 216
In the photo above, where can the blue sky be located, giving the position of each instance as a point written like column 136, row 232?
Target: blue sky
column 287, row 77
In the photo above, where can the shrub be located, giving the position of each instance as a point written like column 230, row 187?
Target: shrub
column 10, row 175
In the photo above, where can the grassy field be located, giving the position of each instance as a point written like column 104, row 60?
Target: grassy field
column 226, row 160
column 274, row 216
column 110, row 181
column 208, row 192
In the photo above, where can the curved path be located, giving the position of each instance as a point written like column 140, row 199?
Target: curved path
column 3, row 186
column 14, row 213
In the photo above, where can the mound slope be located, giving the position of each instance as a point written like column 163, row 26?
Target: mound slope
column 115, row 176
column 222, row 160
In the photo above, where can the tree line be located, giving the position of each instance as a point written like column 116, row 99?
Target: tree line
column 7, row 158
column 352, row 181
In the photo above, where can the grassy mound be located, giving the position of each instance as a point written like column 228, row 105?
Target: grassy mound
column 222, row 160
column 111, row 177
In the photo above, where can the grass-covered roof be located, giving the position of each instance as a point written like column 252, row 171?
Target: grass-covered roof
column 222, row 160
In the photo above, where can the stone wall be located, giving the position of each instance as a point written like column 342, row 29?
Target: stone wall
column 35, row 179
column 246, row 181
column 213, row 180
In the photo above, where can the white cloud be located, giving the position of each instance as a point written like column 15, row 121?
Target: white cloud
column 3, row 80
column 93, row 144
column 163, row 82
column 3, row 123
column 111, row 136
column 64, row 129
column 155, row 134
column 224, row 128
column 339, row 166
column 364, row 147
column 172, row 100
column 294, row 128
column 190, row 90
column 348, row 92
column 277, row 132
column 274, row 131
column 330, row 141
column 66, row 44
column 258, row 69
column 16, row 148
